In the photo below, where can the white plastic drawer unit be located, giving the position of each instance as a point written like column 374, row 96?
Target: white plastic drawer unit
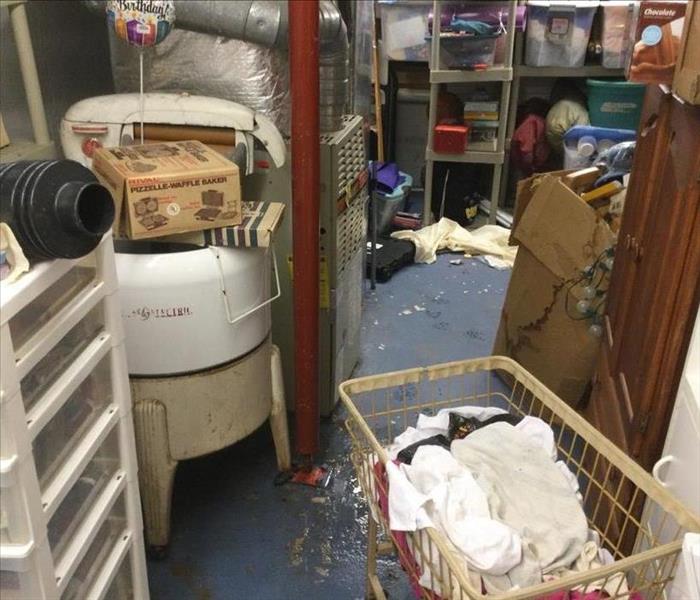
column 84, row 414
column 64, row 522
column 76, row 580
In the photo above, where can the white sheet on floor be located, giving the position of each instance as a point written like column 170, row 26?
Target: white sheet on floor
column 530, row 494
column 489, row 240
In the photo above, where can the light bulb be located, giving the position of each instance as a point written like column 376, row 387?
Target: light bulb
column 583, row 306
column 590, row 292
column 595, row 330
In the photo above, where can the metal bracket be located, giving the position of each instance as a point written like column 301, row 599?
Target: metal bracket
column 222, row 282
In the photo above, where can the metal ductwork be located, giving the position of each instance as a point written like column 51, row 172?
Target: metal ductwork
column 265, row 22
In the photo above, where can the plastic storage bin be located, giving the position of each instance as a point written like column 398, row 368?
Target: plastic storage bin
column 389, row 204
column 461, row 51
column 617, row 32
column 616, row 104
column 91, row 482
column 62, row 434
column 404, row 29
column 557, row 32
column 601, row 138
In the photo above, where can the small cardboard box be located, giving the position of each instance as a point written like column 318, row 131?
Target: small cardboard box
column 559, row 235
column 686, row 81
column 169, row 187
column 657, row 35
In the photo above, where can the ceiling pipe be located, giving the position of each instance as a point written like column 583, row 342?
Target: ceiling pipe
column 304, row 80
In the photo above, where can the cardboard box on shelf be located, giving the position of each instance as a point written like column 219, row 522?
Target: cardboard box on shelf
column 558, row 235
column 169, row 187
column 656, row 41
column 686, row 81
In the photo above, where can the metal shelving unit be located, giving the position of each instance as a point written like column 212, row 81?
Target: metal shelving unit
column 522, row 71
column 502, row 73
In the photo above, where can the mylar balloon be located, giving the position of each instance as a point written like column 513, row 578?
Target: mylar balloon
column 141, row 23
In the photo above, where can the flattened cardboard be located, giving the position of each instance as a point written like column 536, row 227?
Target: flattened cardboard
column 169, row 187
column 559, row 235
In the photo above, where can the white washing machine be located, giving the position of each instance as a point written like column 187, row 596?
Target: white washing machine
column 203, row 371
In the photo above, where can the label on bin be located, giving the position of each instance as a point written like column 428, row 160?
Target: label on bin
column 559, row 25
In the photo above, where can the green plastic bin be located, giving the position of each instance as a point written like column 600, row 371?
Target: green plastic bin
column 616, row 104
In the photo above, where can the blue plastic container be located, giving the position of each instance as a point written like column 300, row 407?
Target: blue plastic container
column 604, row 138
column 389, row 204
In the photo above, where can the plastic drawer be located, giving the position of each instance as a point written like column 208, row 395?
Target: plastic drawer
column 48, row 304
column 90, row 484
column 21, row 518
column 112, row 529
column 30, row 578
column 50, row 367
column 60, row 436
column 122, row 587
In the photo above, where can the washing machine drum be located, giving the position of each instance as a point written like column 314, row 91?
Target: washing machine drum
column 187, row 308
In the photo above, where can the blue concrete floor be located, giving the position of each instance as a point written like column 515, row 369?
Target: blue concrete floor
column 237, row 536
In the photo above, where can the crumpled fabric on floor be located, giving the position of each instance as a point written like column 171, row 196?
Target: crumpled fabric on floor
column 529, row 493
column 489, row 240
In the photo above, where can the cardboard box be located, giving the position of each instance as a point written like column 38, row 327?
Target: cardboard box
column 656, row 43
column 686, row 81
column 559, row 235
column 169, row 187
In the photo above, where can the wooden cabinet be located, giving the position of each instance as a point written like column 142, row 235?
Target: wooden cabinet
column 655, row 283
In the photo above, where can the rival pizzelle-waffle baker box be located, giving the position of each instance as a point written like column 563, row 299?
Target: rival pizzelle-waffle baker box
column 166, row 188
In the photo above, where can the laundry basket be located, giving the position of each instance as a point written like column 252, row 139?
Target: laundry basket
column 637, row 521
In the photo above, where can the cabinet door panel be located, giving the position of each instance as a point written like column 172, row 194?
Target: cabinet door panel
column 643, row 188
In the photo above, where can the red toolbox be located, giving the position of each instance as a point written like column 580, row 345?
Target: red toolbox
column 450, row 139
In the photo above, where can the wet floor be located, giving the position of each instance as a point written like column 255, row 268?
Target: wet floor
column 235, row 535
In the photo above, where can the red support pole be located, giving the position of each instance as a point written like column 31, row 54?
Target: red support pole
column 304, row 73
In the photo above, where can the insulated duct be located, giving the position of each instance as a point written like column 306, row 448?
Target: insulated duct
column 266, row 22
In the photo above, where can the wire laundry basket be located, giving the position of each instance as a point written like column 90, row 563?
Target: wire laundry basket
column 638, row 521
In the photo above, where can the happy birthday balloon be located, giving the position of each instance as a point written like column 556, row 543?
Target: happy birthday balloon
column 141, row 23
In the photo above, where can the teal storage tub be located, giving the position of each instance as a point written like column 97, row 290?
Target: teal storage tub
column 615, row 104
